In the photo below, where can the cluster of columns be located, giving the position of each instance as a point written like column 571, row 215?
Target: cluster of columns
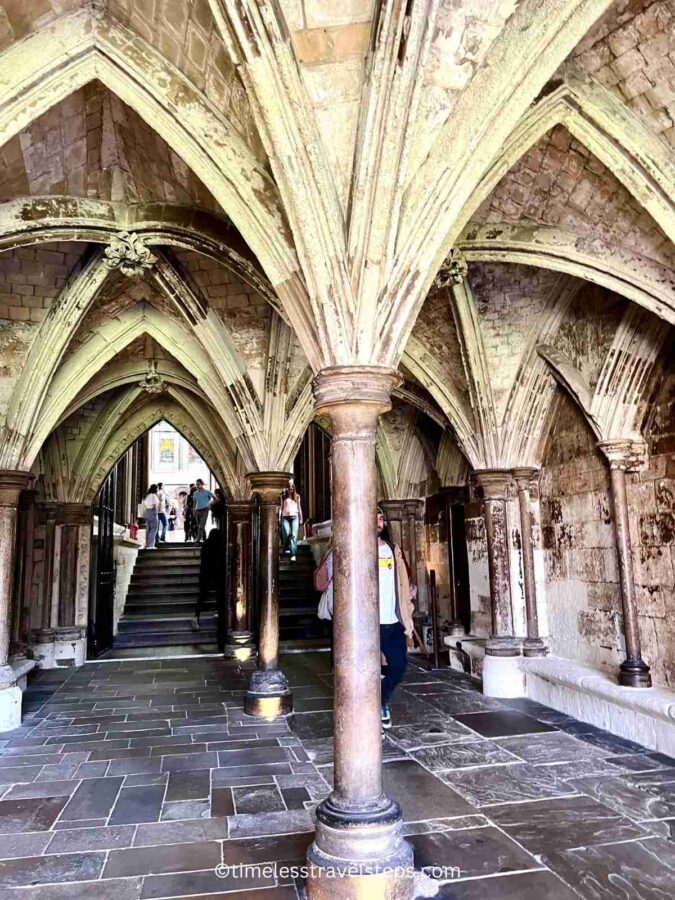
column 405, row 519
column 502, row 674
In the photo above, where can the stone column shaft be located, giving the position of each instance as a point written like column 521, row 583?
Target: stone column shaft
column 621, row 454
column 526, row 481
column 240, row 640
column 268, row 694
column 356, row 824
column 11, row 485
column 495, row 485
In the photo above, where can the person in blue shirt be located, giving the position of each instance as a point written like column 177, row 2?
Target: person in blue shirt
column 202, row 499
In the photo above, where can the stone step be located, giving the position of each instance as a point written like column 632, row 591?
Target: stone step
column 148, row 624
column 204, row 638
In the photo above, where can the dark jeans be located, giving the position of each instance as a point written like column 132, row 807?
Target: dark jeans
column 163, row 522
column 393, row 646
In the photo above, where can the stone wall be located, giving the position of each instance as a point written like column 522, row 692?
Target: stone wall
column 582, row 579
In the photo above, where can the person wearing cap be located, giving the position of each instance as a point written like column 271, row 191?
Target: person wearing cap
column 396, row 613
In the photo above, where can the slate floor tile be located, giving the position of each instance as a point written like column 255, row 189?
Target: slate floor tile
column 567, row 822
column 84, row 839
column 641, row 870
column 185, row 809
column 264, row 798
column 38, row 814
column 169, row 858
column 503, row 723
column 506, row 784
column 420, row 793
column 536, row 885
column 475, row 852
column 461, row 755
column 642, row 795
column 191, row 785
column 553, row 747
column 59, row 868
column 140, row 804
column 94, row 798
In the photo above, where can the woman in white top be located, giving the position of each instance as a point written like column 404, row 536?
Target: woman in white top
column 290, row 513
column 151, row 504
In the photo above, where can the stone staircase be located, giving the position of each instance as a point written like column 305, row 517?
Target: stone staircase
column 298, row 603
column 161, row 600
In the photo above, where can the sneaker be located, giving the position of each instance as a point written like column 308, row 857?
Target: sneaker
column 287, row 552
column 292, row 559
column 386, row 716
column 195, row 624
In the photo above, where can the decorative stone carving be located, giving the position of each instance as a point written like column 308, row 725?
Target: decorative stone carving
column 625, row 454
column 152, row 382
column 128, row 253
column 453, row 271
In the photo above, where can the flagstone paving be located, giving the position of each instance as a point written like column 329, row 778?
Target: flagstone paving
column 134, row 779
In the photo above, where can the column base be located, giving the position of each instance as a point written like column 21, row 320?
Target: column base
column 503, row 675
column 634, row 672
column 268, row 695
column 10, row 700
column 535, row 647
column 240, row 646
column 70, row 647
column 43, row 648
column 359, row 853
column 456, row 629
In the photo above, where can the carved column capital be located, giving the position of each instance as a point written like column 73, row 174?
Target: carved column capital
column 346, row 390
column 495, row 483
column 12, row 482
column 415, row 508
column 269, row 485
column 240, row 510
column 394, row 510
column 624, row 454
column 526, row 477
column 73, row 514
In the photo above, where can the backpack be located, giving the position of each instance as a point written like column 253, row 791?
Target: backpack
column 321, row 577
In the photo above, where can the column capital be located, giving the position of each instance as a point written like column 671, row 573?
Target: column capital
column 240, row 510
column 49, row 509
column 624, row 454
column 495, row 482
column 73, row 514
column 354, row 386
column 393, row 509
column 415, row 508
column 12, row 482
column 526, row 476
column 269, row 484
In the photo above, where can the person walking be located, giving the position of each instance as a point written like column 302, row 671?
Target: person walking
column 218, row 507
column 151, row 516
column 202, row 499
column 211, row 573
column 396, row 609
column 396, row 613
column 163, row 509
column 290, row 513
column 190, row 522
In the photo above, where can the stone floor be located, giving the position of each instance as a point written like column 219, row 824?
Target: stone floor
column 137, row 779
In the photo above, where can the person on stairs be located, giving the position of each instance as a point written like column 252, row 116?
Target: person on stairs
column 202, row 500
column 162, row 514
column 290, row 513
column 151, row 507
column 211, row 572
column 396, row 613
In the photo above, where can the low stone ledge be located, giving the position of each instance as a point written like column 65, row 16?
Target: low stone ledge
column 22, row 666
column 468, row 659
column 645, row 715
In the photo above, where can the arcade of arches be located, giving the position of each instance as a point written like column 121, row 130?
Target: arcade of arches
column 443, row 231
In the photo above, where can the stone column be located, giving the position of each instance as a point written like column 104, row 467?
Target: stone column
column 623, row 456
column 527, row 481
column 358, row 830
column 417, row 559
column 394, row 512
column 74, row 524
column 43, row 637
column 453, row 495
column 25, row 536
column 268, row 693
column 240, row 640
column 502, row 674
column 11, row 485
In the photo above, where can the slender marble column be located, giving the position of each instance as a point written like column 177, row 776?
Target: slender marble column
column 495, row 487
column 25, row 536
column 527, row 481
column 11, row 485
column 394, row 512
column 358, row 830
column 622, row 457
column 418, row 567
column 240, row 639
column 268, row 693
column 74, row 524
